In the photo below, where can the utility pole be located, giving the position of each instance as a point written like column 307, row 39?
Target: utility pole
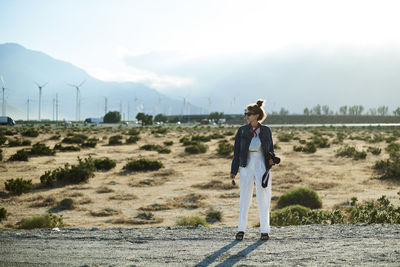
column 129, row 107
column 27, row 109
column 105, row 105
column 54, row 106
column 57, row 107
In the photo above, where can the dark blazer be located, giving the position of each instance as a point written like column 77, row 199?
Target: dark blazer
column 242, row 143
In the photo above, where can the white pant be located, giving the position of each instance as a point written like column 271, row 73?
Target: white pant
column 253, row 172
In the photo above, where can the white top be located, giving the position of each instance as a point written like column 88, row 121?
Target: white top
column 255, row 144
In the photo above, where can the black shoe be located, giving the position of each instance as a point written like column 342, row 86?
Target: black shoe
column 264, row 236
column 239, row 236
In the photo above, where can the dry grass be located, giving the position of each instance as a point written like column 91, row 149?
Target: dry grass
column 123, row 197
column 216, row 185
column 104, row 190
column 49, row 201
column 105, row 212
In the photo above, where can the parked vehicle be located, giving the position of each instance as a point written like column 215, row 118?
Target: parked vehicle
column 94, row 120
column 4, row 120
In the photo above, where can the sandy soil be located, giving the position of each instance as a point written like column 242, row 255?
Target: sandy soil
column 174, row 187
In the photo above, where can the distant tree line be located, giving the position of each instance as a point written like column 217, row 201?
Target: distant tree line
column 355, row 110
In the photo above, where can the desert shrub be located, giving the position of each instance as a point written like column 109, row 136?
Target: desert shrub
column 20, row 155
column 290, row 215
column 40, row 149
column 391, row 139
column 142, row 165
column 75, row 138
column 303, row 196
column 196, row 148
column 216, row 136
column 3, row 139
column 320, row 141
column 48, row 220
column 164, row 150
column 374, row 150
column 214, row 216
column 3, row 214
column 67, row 204
column 168, row 143
column 192, row 221
column 310, row 147
column 393, row 148
column 376, row 138
column 62, row 148
column 91, row 142
column 285, row 137
column 229, row 133
column 70, row 174
column 55, row 137
column 159, row 130
column 351, row 152
column 302, row 141
column 115, row 140
column 132, row 139
column 18, row 186
column 224, row 148
column 151, row 147
column 145, row 215
column 18, row 142
column 380, row 211
column 389, row 168
column 104, row 164
column 133, row 132
column 298, row 148
column 30, row 133
column 201, row 138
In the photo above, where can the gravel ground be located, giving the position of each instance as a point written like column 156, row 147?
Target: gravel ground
column 355, row 245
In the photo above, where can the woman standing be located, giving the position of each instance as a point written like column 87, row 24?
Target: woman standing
column 253, row 143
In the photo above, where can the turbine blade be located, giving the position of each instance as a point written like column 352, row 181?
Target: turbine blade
column 44, row 85
column 82, row 83
column 71, row 85
column 37, row 84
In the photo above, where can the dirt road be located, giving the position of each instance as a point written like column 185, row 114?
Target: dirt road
column 317, row 245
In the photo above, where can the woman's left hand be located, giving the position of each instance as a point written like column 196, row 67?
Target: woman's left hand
column 271, row 162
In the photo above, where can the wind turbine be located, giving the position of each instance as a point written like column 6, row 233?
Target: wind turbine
column 40, row 96
column 3, row 86
column 78, row 100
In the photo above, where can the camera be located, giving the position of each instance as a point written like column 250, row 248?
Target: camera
column 275, row 159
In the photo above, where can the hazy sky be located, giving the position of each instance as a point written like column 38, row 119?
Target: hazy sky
column 136, row 40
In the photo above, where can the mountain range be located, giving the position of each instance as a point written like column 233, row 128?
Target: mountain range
column 22, row 69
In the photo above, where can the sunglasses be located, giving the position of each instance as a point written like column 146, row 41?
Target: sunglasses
column 249, row 114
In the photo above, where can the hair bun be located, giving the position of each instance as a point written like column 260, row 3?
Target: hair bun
column 260, row 102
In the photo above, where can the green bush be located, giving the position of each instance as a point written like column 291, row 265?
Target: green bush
column 351, row 152
column 216, row 136
column 18, row 142
column 391, row 139
column 18, row 186
column 48, row 220
column 285, row 137
column 30, row 133
column 70, row 174
column 298, row 148
column 374, row 150
column 55, row 137
column 104, row 164
column 196, row 148
column 302, row 196
column 39, row 149
column 380, row 211
column 3, row 139
column 3, row 214
column 389, row 168
column 214, row 216
column 142, row 165
column 224, row 148
column 21, row 155
column 290, row 215
column 168, row 143
column 115, row 140
column 192, row 221
column 159, row 130
column 133, row 131
column 67, row 204
column 112, row 117
column 132, row 139
column 320, row 141
column 393, row 148
column 151, row 147
column 164, row 150
column 75, row 139
column 61, row 148
column 202, row 138
column 91, row 142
